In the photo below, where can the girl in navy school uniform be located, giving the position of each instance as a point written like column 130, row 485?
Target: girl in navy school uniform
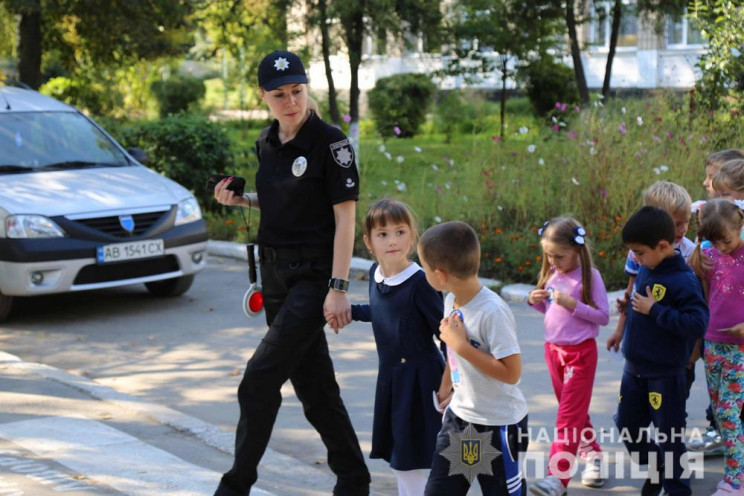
column 405, row 312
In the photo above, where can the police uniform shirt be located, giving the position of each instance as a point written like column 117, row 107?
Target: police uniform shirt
column 298, row 183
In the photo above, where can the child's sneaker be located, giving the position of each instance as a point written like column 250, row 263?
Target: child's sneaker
column 550, row 486
column 710, row 443
column 591, row 476
column 725, row 489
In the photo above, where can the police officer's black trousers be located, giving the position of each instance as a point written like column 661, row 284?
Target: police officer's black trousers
column 294, row 348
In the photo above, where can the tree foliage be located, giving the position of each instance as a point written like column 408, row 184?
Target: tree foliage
column 485, row 35
column 86, row 33
column 722, row 64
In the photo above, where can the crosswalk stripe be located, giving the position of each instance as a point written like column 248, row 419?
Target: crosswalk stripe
column 111, row 457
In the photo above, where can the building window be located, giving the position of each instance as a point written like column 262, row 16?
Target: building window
column 601, row 25
column 683, row 31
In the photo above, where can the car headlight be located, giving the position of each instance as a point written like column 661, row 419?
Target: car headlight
column 32, row 226
column 188, row 211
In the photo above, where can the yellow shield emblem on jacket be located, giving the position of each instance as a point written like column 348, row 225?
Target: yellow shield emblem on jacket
column 655, row 400
column 658, row 291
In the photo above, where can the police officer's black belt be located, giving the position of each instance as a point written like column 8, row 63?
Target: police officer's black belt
column 273, row 254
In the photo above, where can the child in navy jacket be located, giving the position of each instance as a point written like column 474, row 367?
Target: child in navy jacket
column 666, row 316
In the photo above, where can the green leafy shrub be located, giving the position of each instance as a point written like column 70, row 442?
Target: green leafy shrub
column 547, row 82
column 177, row 93
column 85, row 95
column 184, row 148
column 399, row 104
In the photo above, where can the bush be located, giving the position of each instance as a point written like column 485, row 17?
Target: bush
column 86, row 95
column 184, row 148
column 548, row 82
column 177, row 93
column 401, row 102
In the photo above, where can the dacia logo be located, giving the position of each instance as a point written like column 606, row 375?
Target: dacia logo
column 127, row 223
column 471, row 451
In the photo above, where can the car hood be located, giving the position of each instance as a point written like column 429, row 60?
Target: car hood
column 87, row 191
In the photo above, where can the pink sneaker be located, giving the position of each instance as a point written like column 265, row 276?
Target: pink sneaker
column 725, row 489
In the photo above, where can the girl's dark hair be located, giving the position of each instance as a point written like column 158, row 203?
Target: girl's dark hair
column 563, row 231
column 389, row 210
column 717, row 218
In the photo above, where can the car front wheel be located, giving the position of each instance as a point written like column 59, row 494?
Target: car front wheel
column 6, row 303
column 170, row 287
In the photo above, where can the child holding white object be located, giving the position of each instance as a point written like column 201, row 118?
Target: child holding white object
column 573, row 298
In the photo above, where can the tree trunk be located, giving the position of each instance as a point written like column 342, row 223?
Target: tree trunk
column 325, row 42
column 29, row 49
column 503, row 96
column 576, row 53
column 355, row 33
column 617, row 13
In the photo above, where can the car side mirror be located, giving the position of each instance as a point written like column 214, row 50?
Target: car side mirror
column 138, row 154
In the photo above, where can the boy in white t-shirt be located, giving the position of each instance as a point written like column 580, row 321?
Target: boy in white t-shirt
column 484, row 428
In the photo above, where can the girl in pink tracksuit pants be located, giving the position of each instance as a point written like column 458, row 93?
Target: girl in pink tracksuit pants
column 573, row 298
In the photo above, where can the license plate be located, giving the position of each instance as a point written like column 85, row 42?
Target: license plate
column 130, row 251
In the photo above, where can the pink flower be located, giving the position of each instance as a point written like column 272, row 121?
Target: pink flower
column 669, row 134
column 496, row 137
column 564, row 106
column 603, row 193
column 556, row 128
column 622, row 128
column 703, row 139
column 734, row 111
column 572, row 135
column 577, row 108
column 557, row 105
column 396, row 129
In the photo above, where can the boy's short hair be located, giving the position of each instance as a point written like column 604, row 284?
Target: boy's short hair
column 669, row 196
column 648, row 226
column 719, row 158
column 451, row 246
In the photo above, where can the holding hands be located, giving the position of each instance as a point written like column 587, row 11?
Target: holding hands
column 337, row 310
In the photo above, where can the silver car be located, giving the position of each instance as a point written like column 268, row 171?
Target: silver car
column 78, row 212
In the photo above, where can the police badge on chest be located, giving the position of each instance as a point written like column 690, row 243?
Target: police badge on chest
column 299, row 166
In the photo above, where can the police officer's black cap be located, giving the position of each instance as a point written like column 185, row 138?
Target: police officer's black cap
column 279, row 68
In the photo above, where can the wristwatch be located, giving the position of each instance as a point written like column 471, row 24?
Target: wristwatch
column 338, row 284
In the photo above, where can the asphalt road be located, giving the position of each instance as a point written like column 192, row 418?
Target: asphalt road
column 188, row 353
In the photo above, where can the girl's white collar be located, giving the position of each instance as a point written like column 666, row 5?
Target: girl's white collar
column 398, row 278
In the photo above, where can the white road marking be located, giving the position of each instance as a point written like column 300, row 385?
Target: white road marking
column 111, row 457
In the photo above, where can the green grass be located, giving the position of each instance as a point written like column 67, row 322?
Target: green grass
column 593, row 168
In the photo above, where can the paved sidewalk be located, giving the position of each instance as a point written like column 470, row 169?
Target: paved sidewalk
column 64, row 432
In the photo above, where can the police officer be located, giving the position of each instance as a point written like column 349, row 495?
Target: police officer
column 307, row 186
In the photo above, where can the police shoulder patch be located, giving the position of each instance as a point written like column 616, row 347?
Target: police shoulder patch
column 342, row 153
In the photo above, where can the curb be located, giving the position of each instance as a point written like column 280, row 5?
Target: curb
column 511, row 293
column 209, row 434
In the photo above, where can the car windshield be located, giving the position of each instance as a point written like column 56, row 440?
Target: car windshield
column 39, row 141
